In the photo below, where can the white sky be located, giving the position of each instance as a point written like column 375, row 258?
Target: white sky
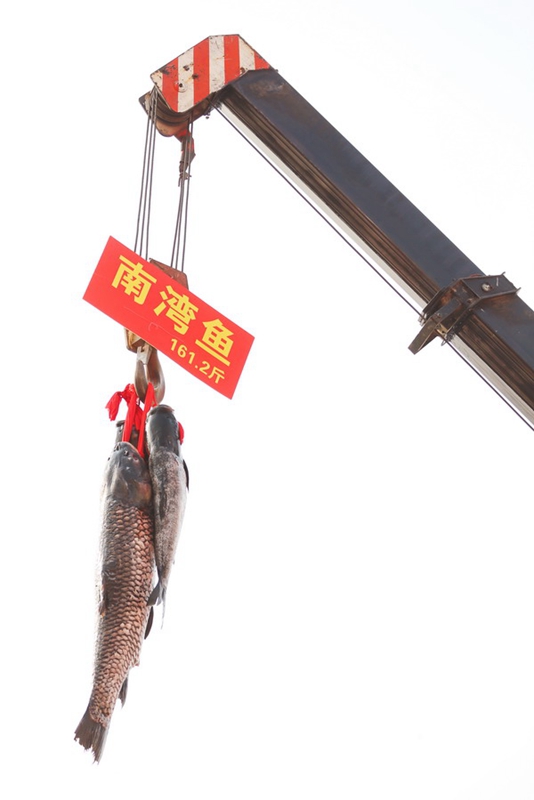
column 351, row 613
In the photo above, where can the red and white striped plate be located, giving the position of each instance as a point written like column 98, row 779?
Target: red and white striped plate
column 205, row 68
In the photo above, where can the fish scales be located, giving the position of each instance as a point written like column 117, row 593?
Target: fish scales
column 127, row 570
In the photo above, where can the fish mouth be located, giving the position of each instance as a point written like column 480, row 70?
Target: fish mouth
column 129, row 461
column 162, row 430
column 128, row 478
column 127, row 453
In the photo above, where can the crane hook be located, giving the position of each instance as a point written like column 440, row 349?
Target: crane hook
column 148, row 370
column 147, row 367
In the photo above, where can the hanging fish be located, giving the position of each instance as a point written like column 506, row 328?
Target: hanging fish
column 170, row 483
column 127, row 569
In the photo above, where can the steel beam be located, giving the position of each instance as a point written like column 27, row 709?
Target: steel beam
column 496, row 337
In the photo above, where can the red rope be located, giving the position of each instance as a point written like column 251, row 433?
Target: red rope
column 150, row 402
column 134, row 413
column 135, row 416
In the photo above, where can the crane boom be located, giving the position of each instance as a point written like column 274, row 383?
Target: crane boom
column 492, row 327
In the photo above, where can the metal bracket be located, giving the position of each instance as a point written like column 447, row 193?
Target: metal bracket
column 446, row 313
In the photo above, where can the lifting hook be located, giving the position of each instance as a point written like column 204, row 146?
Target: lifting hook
column 147, row 367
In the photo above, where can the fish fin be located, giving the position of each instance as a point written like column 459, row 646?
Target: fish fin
column 155, row 595
column 163, row 600
column 91, row 734
column 124, row 691
column 149, row 622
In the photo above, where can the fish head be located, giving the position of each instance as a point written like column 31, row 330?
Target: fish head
column 127, row 477
column 134, row 434
column 162, row 430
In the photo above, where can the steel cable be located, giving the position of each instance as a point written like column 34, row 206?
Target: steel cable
column 145, row 198
column 179, row 242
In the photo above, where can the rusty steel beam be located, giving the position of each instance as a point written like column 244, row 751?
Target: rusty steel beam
column 496, row 337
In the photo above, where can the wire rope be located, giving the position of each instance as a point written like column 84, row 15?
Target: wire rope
column 145, row 197
column 180, row 232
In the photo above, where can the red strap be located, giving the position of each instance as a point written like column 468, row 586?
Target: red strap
column 114, row 402
column 150, row 402
column 133, row 415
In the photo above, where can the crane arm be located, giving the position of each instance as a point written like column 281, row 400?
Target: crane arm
column 492, row 327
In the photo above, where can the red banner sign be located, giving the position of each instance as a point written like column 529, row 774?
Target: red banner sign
column 158, row 309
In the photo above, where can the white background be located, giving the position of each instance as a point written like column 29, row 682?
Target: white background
column 351, row 613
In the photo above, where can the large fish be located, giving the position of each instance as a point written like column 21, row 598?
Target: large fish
column 170, row 482
column 127, row 571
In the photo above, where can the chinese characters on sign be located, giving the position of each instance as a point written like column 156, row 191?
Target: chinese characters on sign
column 133, row 279
column 180, row 309
column 144, row 299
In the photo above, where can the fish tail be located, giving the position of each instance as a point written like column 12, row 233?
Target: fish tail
column 91, row 734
